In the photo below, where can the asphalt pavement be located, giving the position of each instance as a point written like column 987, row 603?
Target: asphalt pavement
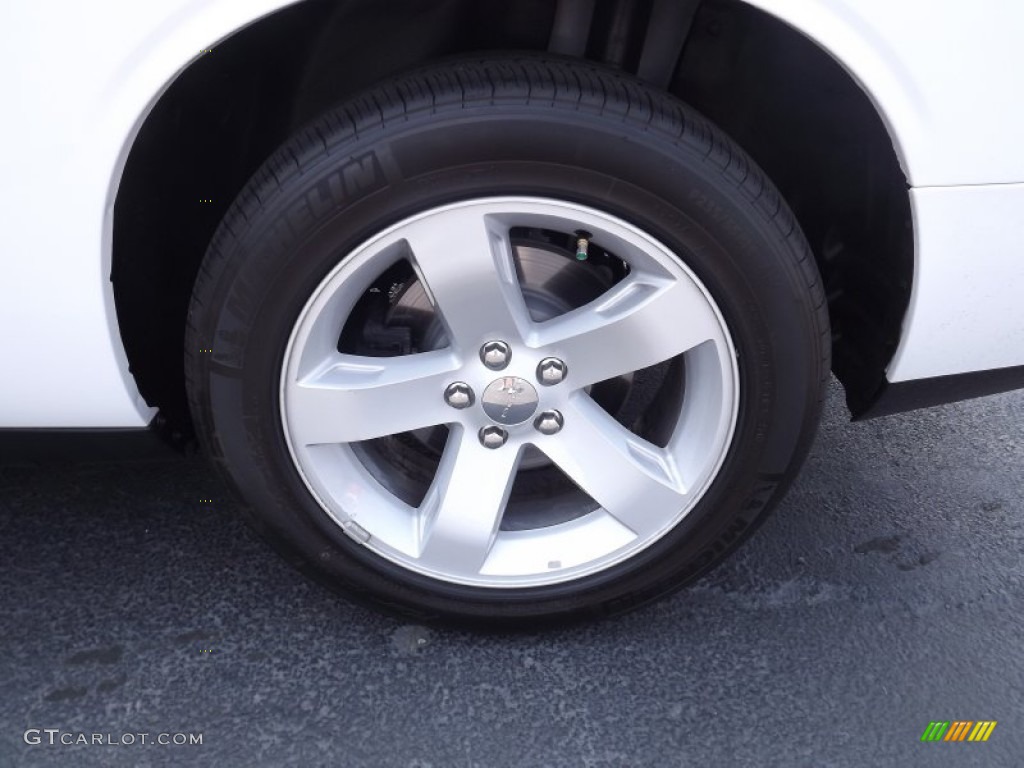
column 886, row 592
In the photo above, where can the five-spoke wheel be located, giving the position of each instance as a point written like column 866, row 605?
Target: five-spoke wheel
column 501, row 384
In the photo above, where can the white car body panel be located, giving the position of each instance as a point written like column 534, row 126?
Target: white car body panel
column 967, row 302
column 80, row 90
column 943, row 75
column 79, row 81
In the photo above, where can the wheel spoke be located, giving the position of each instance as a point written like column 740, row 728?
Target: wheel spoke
column 465, row 261
column 350, row 398
column 461, row 512
column 635, row 481
column 642, row 321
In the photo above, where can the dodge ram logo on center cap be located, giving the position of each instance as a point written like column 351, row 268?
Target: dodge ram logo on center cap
column 510, row 400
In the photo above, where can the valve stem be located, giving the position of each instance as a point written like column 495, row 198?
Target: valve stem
column 582, row 243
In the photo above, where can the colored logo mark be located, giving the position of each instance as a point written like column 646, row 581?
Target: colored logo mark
column 958, row 730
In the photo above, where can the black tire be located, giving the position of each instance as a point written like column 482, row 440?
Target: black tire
column 496, row 126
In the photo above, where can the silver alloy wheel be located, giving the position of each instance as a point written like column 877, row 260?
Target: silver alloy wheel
column 463, row 255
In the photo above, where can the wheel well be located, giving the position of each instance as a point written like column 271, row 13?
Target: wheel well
column 796, row 111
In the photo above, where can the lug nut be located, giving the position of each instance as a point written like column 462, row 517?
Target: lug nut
column 495, row 355
column 548, row 422
column 493, row 437
column 459, row 395
column 551, row 371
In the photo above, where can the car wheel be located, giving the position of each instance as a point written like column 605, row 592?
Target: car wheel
column 508, row 340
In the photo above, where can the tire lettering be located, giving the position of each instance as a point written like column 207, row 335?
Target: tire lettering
column 360, row 175
column 356, row 178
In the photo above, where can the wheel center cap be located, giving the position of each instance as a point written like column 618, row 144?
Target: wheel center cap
column 509, row 400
